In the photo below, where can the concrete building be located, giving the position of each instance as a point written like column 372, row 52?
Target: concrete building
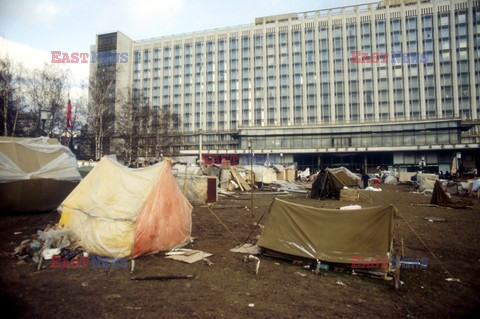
column 383, row 84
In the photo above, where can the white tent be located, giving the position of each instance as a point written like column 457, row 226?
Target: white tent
column 36, row 174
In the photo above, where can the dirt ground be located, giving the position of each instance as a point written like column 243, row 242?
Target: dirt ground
column 226, row 288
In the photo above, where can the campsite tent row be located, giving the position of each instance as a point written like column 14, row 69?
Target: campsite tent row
column 120, row 212
column 114, row 211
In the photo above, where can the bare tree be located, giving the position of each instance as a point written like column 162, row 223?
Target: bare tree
column 12, row 102
column 145, row 131
column 48, row 90
column 101, row 106
column 165, row 132
column 129, row 122
column 79, row 113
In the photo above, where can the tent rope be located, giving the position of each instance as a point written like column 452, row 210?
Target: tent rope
column 211, row 211
column 47, row 216
column 368, row 197
column 424, row 244
column 256, row 225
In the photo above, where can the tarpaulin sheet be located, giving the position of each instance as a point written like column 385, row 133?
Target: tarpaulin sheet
column 197, row 187
column 35, row 158
column 263, row 174
column 426, row 181
column 346, row 176
column 327, row 234
column 36, row 174
column 120, row 212
column 439, row 197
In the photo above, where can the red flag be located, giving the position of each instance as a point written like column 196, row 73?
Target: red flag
column 69, row 115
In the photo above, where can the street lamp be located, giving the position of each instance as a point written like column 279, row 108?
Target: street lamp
column 75, row 142
column 44, row 115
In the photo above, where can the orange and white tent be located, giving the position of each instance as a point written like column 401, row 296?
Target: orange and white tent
column 120, row 212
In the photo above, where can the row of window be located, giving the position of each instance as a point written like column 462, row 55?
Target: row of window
column 367, row 29
column 191, row 123
column 364, row 140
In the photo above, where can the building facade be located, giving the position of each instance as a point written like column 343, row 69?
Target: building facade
column 383, row 84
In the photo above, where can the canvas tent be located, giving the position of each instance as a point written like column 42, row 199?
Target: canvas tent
column 439, row 197
column 36, row 174
column 346, row 176
column 120, row 212
column 296, row 231
column 327, row 185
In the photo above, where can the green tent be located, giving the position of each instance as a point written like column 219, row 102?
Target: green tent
column 327, row 185
column 296, row 231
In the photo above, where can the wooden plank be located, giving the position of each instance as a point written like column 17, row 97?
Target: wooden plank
column 234, row 175
column 241, row 182
column 239, row 179
column 244, row 183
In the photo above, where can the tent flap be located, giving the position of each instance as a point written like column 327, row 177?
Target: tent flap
column 165, row 219
column 439, row 197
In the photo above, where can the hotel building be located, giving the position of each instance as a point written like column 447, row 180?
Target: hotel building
column 383, row 84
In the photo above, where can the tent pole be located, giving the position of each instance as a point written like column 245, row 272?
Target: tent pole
column 252, row 176
column 323, row 186
column 185, row 182
column 397, row 273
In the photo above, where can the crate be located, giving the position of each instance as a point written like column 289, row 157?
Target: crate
column 349, row 195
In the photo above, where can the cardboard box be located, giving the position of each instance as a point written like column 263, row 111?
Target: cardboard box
column 349, row 195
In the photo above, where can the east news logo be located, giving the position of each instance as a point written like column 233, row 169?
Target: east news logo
column 82, row 262
column 102, row 57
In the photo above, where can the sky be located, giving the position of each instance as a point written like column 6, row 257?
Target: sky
column 31, row 29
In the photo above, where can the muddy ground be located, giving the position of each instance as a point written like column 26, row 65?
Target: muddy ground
column 226, row 288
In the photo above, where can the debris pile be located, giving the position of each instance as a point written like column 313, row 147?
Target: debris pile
column 46, row 244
